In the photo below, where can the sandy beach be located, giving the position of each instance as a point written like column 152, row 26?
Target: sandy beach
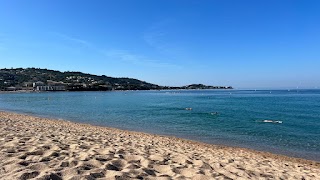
column 40, row 148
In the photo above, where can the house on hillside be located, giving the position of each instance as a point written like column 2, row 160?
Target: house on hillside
column 38, row 83
column 51, row 86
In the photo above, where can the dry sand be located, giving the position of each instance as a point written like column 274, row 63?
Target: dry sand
column 39, row 148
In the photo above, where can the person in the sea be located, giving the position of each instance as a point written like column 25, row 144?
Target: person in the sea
column 214, row 113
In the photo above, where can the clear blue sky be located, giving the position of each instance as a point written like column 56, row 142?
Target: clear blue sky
column 246, row 44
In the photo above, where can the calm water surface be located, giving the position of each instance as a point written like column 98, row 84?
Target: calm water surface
column 238, row 122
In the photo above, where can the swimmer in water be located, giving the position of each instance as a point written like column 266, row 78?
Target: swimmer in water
column 271, row 121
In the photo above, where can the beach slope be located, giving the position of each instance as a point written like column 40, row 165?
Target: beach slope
column 39, row 148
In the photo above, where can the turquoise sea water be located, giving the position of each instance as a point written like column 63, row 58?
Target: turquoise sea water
column 238, row 122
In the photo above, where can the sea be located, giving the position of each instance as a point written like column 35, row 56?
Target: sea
column 224, row 117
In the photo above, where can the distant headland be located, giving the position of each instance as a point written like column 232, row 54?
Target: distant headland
column 36, row 79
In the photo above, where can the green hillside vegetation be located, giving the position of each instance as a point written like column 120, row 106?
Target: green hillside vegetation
column 29, row 78
column 23, row 78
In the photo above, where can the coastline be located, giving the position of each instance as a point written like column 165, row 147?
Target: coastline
column 42, row 147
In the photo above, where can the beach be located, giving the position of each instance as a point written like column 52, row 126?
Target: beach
column 40, row 148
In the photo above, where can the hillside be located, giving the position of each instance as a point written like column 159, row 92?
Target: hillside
column 23, row 78
column 45, row 79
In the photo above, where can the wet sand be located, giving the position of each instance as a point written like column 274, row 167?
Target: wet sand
column 40, row 148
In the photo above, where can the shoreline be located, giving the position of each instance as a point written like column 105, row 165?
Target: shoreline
column 172, row 137
column 164, row 156
column 35, row 91
column 269, row 153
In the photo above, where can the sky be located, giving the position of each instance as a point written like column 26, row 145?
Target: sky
column 244, row 44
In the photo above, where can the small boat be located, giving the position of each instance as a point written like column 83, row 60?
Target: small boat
column 272, row 121
column 188, row 109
